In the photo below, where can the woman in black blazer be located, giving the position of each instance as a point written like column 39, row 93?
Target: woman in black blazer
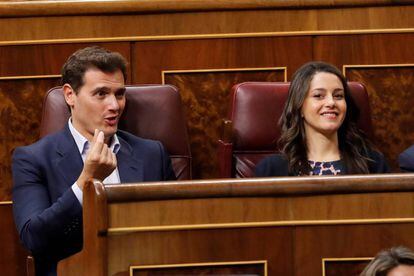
column 319, row 131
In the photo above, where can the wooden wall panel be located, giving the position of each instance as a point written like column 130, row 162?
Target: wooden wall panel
column 223, row 268
column 12, row 255
column 301, row 248
column 150, row 58
column 390, row 89
column 20, row 114
column 25, row 8
column 205, row 94
column 364, row 49
column 337, row 241
column 206, row 22
column 203, row 246
column 170, row 213
column 344, row 266
column 45, row 59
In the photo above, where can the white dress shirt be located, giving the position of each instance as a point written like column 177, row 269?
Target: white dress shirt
column 83, row 146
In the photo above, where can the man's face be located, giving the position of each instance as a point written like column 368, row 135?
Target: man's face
column 98, row 104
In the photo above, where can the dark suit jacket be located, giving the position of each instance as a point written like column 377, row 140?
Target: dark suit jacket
column 47, row 213
column 277, row 165
column 406, row 160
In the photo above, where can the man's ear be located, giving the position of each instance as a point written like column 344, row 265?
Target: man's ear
column 69, row 94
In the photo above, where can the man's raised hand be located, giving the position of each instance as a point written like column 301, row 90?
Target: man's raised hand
column 100, row 160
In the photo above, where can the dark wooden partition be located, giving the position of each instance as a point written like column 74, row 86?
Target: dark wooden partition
column 269, row 226
column 12, row 254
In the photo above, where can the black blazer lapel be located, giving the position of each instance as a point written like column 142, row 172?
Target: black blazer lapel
column 69, row 161
column 130, row 168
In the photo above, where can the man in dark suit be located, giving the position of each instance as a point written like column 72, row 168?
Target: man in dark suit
column 406, row 160
column 49, row 175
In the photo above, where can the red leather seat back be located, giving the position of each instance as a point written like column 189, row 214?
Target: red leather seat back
column 151, row 111
column 255, row 110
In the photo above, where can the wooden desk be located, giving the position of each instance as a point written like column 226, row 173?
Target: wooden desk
column 268, row 226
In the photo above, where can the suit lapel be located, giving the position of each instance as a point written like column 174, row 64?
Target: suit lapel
column 69, row 162
column 130, row 168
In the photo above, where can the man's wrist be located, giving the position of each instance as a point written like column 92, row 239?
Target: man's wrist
column 77, row 191
column 81, row 181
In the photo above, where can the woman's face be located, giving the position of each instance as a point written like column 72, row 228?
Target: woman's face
column 324, row 108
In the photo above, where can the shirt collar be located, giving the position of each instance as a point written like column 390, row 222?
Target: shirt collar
column 83, row 144
column 115, row 145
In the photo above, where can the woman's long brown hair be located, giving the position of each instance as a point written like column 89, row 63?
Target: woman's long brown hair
column 353, row 145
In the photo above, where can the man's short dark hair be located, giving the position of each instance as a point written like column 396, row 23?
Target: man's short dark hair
column 94, row 57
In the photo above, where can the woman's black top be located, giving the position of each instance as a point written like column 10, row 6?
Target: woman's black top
column 277, row 165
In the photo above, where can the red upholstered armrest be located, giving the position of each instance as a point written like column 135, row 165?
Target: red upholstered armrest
column 224, row 156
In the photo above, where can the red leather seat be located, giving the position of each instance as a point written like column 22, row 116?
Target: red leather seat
column 253, row 131
column 151, row 111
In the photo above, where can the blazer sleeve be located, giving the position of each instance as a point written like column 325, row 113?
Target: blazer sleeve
column 406, row 160
column 274, row 165
column 379, row 163
column 167, row 169
column 45, row 227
